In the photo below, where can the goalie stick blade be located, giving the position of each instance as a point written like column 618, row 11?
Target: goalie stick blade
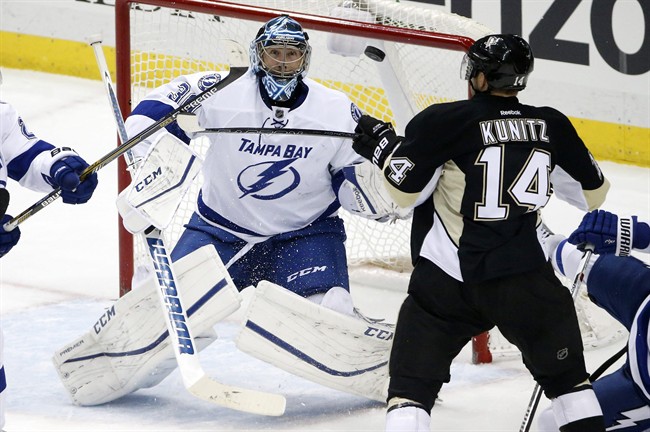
column 251, row 401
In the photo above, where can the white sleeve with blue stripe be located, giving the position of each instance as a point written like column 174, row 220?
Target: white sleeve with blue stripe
column 160, row 102
column 25, row 158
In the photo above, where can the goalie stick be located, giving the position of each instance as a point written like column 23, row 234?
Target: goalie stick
column 196, row 381
column 189, row 124
column 537, row 391
column 192, row 103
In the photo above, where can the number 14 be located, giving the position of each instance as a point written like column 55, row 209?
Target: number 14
column 530, row 189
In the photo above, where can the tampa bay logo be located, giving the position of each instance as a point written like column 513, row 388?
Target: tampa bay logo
column 207, row 81
column 268, row 180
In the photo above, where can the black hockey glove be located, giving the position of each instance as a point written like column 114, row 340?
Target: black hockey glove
column 374, row 139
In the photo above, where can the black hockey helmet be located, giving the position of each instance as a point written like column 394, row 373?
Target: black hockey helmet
column 505, row 59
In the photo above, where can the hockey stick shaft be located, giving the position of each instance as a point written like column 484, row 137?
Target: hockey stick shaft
column 189, row 124
column 537, row 391
column 281, row 131
column 607, row 364
column 112, row 97
column 194, row 378
column 191, row 104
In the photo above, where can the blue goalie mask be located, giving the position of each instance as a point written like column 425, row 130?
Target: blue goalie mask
column 279, row 55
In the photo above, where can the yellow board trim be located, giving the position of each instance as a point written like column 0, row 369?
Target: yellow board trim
column 607, row 141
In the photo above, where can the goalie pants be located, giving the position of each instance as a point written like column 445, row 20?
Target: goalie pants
column 533, row 310
column 307, row 261
column 621, row 286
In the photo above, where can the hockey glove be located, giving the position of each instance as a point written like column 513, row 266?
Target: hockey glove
column 609, row 233
column 8, row 239
column 374, row 140
column 65, row 174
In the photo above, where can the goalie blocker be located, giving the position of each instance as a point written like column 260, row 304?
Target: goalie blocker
column 158, row 187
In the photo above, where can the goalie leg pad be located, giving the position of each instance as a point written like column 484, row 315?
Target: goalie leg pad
column 336, row 350
column 129, row 348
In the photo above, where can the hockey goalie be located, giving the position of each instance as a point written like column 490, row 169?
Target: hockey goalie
column 268, row 208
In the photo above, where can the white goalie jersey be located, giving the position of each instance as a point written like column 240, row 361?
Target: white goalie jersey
column 270, row 183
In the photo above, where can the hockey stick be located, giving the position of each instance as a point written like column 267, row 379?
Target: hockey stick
column 196, row 381
column 537, row 391
column 189, row 124
column 607, row 363
column 191, row 104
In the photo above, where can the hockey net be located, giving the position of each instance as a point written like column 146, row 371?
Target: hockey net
column 158, row 40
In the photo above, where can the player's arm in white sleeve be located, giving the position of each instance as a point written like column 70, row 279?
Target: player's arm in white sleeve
column 29, row 160
column 160, row 102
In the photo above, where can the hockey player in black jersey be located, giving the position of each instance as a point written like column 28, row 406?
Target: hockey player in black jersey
column 477, row 173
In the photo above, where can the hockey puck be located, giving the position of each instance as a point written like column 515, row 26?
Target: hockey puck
column 375, row 53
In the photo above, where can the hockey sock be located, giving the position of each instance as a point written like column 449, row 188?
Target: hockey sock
column 566, row 259
column 578, row 410
column 405, row 415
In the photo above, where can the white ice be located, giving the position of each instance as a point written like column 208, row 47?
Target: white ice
column 63, row 273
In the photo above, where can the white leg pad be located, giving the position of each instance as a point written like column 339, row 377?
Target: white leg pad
column 128, row 347
column 336, row 350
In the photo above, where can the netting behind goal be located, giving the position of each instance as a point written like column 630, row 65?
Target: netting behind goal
column 158, row 40
column 167, row 38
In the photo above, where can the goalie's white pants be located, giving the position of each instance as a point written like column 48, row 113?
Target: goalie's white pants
column 129, row 347
column 306, row 339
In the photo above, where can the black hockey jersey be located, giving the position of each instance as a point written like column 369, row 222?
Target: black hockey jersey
column 478, row 172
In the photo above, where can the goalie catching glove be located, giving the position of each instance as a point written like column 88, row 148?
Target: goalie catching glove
column 364, row 194
column 375, row 140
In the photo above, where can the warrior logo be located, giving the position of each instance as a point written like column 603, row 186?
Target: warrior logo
column 268, row 180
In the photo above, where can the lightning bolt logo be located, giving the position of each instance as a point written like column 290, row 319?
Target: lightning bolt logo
column 634, row 418
column 274, row 179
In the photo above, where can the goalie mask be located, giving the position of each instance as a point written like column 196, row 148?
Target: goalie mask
column 506, row 60
column 280, row 55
